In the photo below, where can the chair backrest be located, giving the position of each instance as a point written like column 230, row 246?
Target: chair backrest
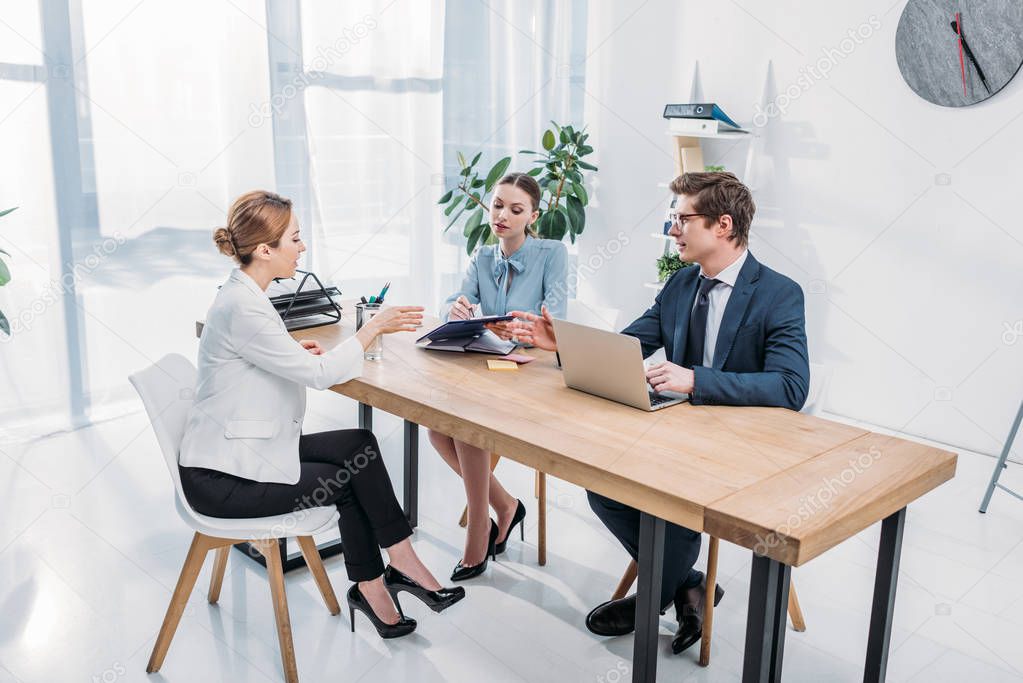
column 600, row 317
column 167, row 389
column 820, row 380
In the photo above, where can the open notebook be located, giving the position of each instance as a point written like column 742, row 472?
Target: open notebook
column 467, row 335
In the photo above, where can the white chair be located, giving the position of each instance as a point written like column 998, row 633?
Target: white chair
column 167, row 389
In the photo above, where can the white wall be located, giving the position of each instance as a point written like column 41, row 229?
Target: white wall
column 911, row 277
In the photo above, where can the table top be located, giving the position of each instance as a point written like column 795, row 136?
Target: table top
column 737, row 472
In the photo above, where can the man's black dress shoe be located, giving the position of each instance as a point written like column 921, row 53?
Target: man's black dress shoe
column 614, row 617
column 689, row 605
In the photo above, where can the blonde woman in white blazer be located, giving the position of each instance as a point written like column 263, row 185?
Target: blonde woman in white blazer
column 243, row 454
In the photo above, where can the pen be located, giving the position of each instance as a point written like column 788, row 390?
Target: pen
column 363, row 299
column 372, row 299
column 383, row 292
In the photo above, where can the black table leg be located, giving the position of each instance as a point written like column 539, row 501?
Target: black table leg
column 883, row 610
column 411, row 483
column 648, row 597
column 293, row 560
column 365, row 417
column 766, row 620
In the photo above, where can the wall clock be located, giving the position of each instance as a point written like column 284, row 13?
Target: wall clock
column 959, row 53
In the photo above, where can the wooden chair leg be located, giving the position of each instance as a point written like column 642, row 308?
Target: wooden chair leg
column 275, row 573
column 201, row 544
column 795, row 613
column 628, row 578
column 541, row 529
column 536, row 484
column 463, row 521
column 219, row 567
column 315, row 563
column 708, row 605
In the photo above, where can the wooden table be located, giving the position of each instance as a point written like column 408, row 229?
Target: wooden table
column 742, row 474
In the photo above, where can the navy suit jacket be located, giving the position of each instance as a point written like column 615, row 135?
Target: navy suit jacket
column 760, row 358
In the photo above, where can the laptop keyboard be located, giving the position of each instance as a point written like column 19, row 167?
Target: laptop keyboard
column 657, row 399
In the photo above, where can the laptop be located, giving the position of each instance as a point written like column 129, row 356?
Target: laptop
column 608, row 365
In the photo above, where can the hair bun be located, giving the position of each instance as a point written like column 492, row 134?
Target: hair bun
column 224, row 241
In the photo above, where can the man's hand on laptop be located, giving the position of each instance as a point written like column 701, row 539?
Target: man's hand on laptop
column 529, row 328
column 670, row 377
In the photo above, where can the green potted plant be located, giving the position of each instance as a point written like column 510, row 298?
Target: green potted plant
column 5, row 277
column 559, row 171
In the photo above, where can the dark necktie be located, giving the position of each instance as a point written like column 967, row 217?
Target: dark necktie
column 698, row 324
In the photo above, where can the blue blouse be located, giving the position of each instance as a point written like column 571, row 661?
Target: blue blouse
column 539, row 273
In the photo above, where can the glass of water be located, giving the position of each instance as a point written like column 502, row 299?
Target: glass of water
column 363, row 314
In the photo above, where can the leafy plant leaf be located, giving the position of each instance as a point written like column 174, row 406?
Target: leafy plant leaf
column 497, row 172
column 4, row 324
column 588, row 166
column 461, row 160
column 6, row 211
column 475, row 237
column 454, row 204
column 558, row 224
column 456, row 216
column 576, row 214
column 5, row 274
column 476, row 183
column 446, row 197
column 548, row 140
column 475, row 158
column 580, row 192
column 475, row 218
column 534, row 172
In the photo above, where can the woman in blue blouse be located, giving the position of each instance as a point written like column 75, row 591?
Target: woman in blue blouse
column 520, row 272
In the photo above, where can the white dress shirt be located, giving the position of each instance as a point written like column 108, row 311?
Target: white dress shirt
column 250, row 399
column 718, row 299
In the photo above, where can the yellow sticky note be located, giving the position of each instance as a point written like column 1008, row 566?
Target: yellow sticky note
column 502, row 365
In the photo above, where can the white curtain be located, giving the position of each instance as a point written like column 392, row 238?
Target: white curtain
column 125, row 131
column 128, row 128
column 373, row 116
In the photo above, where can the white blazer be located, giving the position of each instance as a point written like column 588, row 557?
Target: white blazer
column 250, row 399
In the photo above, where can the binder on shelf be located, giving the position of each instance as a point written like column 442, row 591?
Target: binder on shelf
column 310, row 308
column 685, row 116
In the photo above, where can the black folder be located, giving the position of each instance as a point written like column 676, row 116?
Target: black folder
column 468, row 336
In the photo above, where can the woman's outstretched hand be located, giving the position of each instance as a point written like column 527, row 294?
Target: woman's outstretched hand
column 390, row 320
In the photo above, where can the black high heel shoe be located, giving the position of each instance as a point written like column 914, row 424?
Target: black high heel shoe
column 438, row 600
column 461, row 572
column 520, row 514
column 356, row 601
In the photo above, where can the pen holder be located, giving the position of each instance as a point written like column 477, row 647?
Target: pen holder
column 363, row 314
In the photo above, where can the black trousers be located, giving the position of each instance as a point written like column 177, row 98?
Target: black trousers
column 681, row 545
column 342, row 468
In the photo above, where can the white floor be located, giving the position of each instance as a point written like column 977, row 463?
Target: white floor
column 90, row 549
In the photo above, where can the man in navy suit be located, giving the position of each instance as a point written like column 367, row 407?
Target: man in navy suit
column 734, row 333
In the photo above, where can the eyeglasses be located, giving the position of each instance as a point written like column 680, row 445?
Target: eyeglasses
column 682, row 218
